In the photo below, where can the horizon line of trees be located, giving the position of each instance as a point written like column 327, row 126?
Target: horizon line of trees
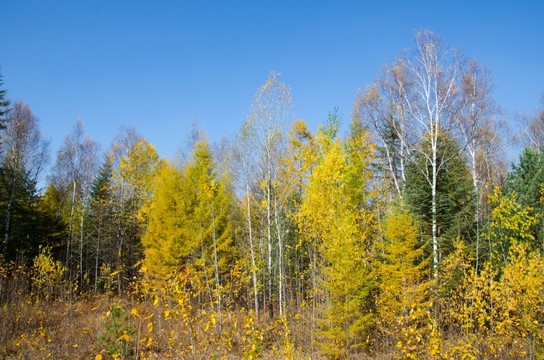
column 407, row 230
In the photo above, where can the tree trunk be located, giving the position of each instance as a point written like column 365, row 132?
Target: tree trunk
column 81, row 251
column 434, row 210
column 11, row 190
column 216, row 268
column 252, row 251
column 280, row 257
column 70, row 228
column 269, row 240
column 97, row 254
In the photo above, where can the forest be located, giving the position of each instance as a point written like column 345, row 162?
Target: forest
column 407, row 236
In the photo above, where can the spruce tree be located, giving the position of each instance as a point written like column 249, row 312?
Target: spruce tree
column 453, row 198
column 4, row 103
column 527, row 181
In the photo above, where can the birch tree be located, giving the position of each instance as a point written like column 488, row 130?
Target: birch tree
column 269, row 111
column 73, row 173
column 476, row 130
column 430, row 97
column 382, row 108
column 246, row 168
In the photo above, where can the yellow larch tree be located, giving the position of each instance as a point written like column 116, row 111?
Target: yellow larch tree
column 402, row 301
column 335, row 214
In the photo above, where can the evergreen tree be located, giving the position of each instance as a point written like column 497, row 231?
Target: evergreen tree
column 23, row 154
column 4, row 103
column 101, row 218
column 454, row 205
column 526, row 180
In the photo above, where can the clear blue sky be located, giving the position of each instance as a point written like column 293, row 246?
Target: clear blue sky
column 160, row 65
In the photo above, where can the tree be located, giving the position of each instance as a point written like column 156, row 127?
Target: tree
column 429, row 96
column 452, row 202
column 23, row 154
column 271, row 107
column 189, row 223
column 300, row 254
column 246, row 168
column 169, row 239
column 402, row 300
column 100, row 213
column 526, row 180
column 73, row 173
column 476, row 130
column 335, row 213
column 511, row 223
column 533, row 128
column 382, row 108
column 135, row 165
column 4, row 103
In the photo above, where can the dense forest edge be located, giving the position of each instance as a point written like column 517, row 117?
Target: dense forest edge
column 408, row 237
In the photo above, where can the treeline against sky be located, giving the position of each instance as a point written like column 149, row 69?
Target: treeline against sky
column 407, row 237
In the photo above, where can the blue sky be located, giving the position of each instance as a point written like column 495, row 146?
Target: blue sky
column 160, row 65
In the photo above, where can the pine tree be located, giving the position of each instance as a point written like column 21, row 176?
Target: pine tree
column 4, row 103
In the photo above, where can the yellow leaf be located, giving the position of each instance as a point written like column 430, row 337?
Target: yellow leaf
column 98, row 357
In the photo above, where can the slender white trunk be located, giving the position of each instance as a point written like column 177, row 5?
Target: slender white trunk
column 477, row 205
column 70, row 228
column 280, row 257
column 81, row 249
column 252, row 252
column 433, row 202
column 216, row 267
column 11, row 191
column 269, row 226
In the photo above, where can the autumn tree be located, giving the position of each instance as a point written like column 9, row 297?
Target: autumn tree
column 402, row 301
column 418, row 99
column 533, row 129
column 73, row 173
column 300, row 256
column 270, row 109
column 189, row 224
column 526, row 181
column 382, row 108
column 511, row 222
column 246, row 169
column 335, row 213
column 135, row 164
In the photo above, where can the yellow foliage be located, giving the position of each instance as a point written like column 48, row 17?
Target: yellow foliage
column 47, row 275
column 334, row 217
